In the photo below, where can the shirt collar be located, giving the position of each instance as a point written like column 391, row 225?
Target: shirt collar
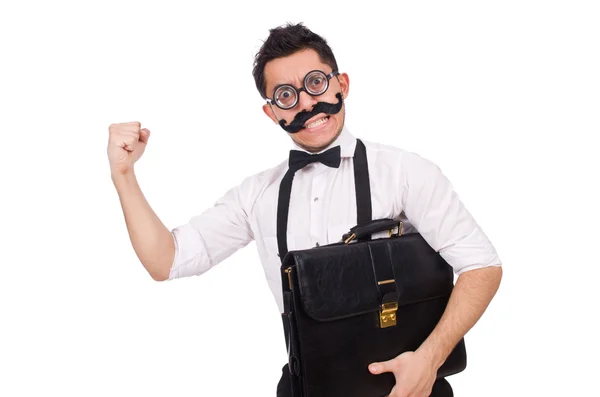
column 345, row 140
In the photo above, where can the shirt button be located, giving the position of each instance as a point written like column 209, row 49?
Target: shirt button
column 316, row 199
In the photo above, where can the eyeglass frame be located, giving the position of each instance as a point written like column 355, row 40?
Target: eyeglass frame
column 329, row 76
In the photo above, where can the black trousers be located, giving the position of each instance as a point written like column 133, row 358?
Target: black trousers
column 441, row 388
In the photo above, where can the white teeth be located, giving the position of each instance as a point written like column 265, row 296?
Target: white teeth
column 317, row 123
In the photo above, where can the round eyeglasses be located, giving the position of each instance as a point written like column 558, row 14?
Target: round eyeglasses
column 315, row 83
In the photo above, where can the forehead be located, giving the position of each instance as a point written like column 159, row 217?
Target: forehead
column 293, row 68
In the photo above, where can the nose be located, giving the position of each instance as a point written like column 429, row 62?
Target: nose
column 306, row 101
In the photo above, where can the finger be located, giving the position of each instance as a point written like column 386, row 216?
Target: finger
column 127, row 143
column 123, row 130
column 129, row 148
column 130, row 129
column 383, row 366
column 144, row 135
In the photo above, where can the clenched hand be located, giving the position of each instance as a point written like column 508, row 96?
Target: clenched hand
column 126, row 144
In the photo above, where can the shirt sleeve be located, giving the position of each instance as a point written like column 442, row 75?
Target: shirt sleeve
column 433, row 207
column 212, row 236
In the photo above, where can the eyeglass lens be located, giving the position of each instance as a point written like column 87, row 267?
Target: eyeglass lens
column 315, row 83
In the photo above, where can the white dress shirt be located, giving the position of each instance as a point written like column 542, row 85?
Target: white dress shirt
column 404, row 186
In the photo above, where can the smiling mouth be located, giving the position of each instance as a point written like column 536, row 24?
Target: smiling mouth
column 317, row 123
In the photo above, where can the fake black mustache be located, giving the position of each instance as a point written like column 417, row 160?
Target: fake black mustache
column 303, row 116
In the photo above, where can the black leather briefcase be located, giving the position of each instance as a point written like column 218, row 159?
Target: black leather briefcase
column 359, row 301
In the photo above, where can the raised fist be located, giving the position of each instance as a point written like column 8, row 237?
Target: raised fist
column 126, row 144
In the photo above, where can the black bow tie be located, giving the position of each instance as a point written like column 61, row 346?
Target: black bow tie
column 330, row 158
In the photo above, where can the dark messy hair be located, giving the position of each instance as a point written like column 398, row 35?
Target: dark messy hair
column 287, row 40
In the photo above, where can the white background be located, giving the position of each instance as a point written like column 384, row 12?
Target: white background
column 503, row 96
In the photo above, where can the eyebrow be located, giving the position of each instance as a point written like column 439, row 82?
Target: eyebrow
column 292, row 84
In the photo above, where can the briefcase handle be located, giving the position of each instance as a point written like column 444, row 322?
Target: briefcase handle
column 368, row 228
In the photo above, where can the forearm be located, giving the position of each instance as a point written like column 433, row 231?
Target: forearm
column 151, row 240
column 471, row 296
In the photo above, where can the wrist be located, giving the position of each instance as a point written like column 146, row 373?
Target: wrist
column 432, row 354
column 122, row 176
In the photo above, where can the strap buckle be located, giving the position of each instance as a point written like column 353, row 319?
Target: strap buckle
column 288, row 272
column 399, row 230
column 350, row 238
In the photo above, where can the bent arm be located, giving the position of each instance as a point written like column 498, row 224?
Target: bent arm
column 439, row 215
column 152, row 242
column 471, row 296
column 192, row 248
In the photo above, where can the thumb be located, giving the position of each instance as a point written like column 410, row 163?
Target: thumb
column 380, row 367
column 144, row 135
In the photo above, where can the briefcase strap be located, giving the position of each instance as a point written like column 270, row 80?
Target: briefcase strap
column 362, row 184
column 362, row 189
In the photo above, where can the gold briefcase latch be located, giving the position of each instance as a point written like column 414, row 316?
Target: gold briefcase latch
column 387, row 314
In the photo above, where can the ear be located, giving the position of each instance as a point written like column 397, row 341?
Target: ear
column 269, row 112
column 344, row 81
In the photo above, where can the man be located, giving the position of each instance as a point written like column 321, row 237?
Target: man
column 297, row 74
